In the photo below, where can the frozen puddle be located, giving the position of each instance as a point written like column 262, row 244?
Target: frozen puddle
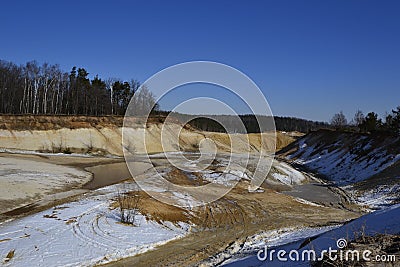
column 82, row 233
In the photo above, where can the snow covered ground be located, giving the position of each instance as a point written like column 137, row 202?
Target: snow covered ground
column 22, row 180
column 287, row 174
column 82, row 233
column 343, row 165
column 240, row 250
column 379, row 197
column 382, row 221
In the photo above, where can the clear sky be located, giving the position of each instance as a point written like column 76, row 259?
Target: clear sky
column 310, row 58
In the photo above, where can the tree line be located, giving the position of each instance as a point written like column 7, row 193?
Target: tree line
column 369, row 123
column 46, row 89
column 248, row 123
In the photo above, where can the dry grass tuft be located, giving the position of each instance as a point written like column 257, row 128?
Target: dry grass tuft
column 10, row 255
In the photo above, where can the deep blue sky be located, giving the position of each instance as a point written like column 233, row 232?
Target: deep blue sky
column 310, row 58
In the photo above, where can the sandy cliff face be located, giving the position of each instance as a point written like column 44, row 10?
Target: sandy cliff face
column 103, row 135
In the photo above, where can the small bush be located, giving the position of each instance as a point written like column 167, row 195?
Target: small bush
column 129, row 206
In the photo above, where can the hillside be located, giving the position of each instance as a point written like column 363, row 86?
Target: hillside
column 368, row 163
column 103, row 135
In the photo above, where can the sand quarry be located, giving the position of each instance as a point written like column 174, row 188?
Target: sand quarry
column 59, row 191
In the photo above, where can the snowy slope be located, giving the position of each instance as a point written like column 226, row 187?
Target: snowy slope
column 238, row 251
column 382, row 221
column 366, row 166
column 345, row 159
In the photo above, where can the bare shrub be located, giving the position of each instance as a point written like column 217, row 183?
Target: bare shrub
column 339, row 120
column 60, row 146
column 128, row 203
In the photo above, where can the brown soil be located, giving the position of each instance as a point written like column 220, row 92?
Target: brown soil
column 45, row 122
column 54, row 122
column 158, row 211
column 177, row 176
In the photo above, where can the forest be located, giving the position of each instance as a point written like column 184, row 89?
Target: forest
column 247, row 123
column 46, row 89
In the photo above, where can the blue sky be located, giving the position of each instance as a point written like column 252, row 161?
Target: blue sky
column 310, row 58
